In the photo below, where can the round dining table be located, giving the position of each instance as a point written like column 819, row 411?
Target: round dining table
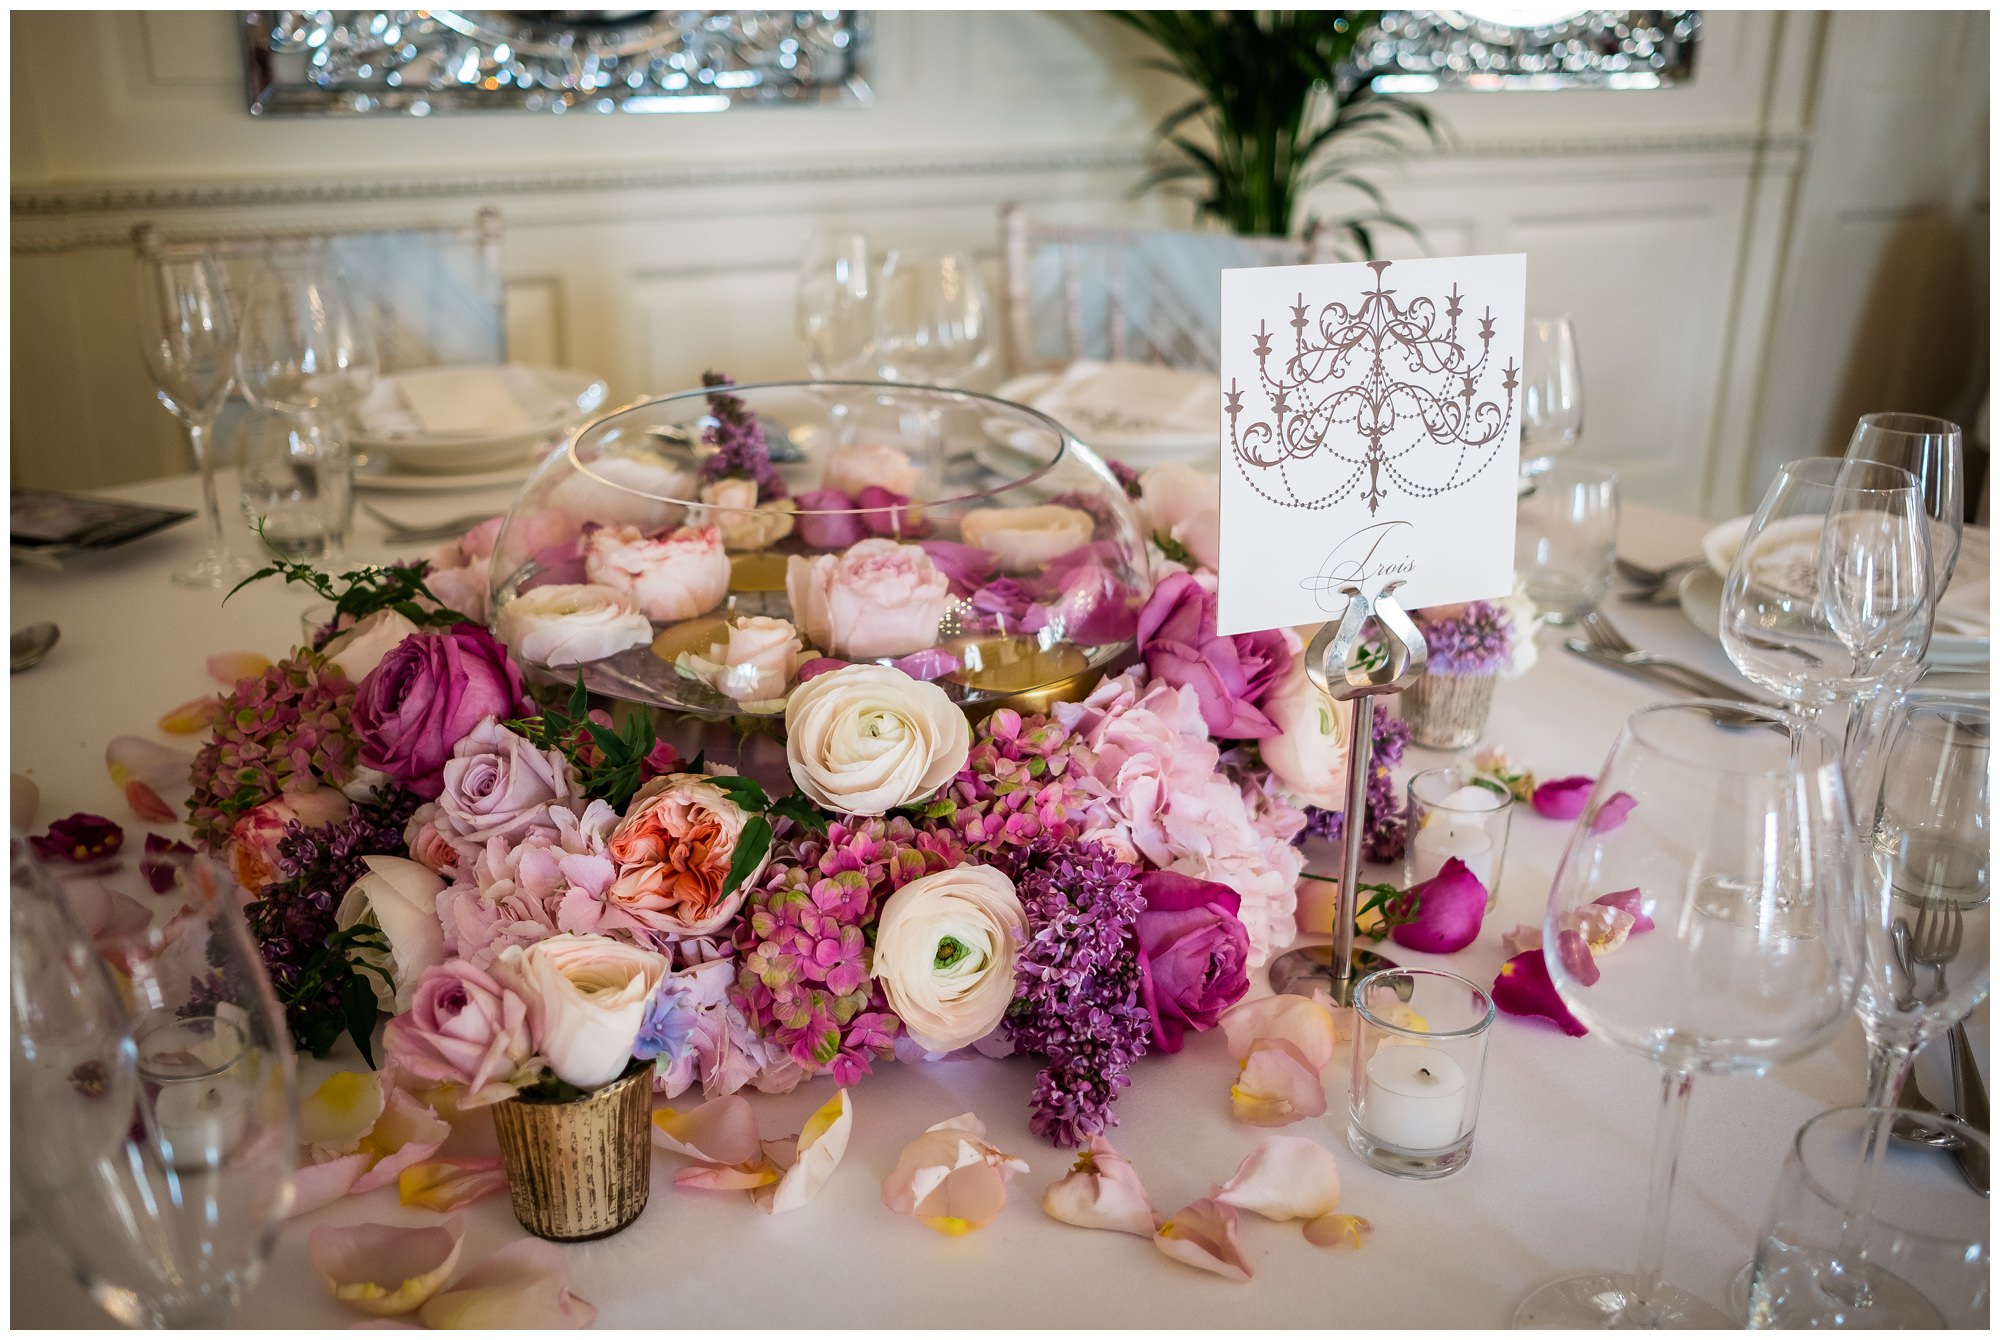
column 1556, row 1183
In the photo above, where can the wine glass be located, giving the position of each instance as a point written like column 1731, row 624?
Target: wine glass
column 307, row 354
column 933, row 323
column 1932, row 450
column 1829, row 592
column 1565, row 538
column 187, row 334
column 154, row 1124
column 1551, row 390
column 1732, row 842
column 835, row 307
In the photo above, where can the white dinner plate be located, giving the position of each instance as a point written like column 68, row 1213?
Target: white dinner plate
column 568, row 397
column 1701, row 601
column 1149, row 447
column 396, row 481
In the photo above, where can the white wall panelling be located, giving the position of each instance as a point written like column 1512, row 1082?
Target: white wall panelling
column 1722, row 246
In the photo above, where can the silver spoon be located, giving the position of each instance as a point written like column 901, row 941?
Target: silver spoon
column 28, row 645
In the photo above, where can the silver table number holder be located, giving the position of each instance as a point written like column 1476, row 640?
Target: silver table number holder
column 1330, row 664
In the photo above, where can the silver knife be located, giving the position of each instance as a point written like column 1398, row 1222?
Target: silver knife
column 1970, row 1100
column 1645, row 665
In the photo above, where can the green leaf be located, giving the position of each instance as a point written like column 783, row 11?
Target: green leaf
column 800, row 811
column 751, row 848
column 579, row 700
column 357, row 1005
column 743, row 790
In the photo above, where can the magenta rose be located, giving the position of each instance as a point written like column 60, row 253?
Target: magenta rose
column 1230, row 675
column 427, row 695
column 498, row 785
column 1193, row 954
column 464, row 1028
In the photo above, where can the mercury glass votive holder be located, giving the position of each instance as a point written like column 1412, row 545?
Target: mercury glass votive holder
column 1419, row 1057
column 1454, row 811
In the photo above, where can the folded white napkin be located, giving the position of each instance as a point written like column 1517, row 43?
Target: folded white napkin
column 1133, row 402
column 461, row 402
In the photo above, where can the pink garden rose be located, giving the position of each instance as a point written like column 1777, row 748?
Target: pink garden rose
column 426, row 695
column 1308, row 755
column 1193, row 954
column 252, row 847
column 1230, row 675
column 673, row 577
column 862, row 465
column 430, row 846
column 673, row 852
column 498, row 785
column 463, row 1027
column 879, row 598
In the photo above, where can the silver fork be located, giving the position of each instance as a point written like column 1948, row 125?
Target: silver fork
column 1606, row 638
column 1935, row 940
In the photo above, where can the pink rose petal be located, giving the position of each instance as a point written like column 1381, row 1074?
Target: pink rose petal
column 1339, row 1230
column 1612, row 812
column 814, row 1155
column 525, row 1286
column 1604, row 927
column 146, row 803
column 103, row 913
column 950, row 1178
column 1629, row 900
column 163, row 861
column 1203, row 1235
column 335, row 1117
column 1285, row 1177
column 382, row 1269
column 193, row 716
column 228, row 668
column 1523, row 987
column 406, row 1134
column 1576, row 958
column 1302, row 1021
column 1278, row 1086
column 318, row 1185
column 743, row 1177
column 1562, row 798
column 1102, row 1191
column 445, row 1185
column 819, row 665
column 128, row 759
column 721, row 1131
column 1521, row 939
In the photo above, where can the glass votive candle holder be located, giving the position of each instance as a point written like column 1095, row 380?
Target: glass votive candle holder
column 1455, row 812
column 1419, row 1057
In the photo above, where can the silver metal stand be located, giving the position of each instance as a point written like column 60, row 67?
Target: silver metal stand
column 1336, row 967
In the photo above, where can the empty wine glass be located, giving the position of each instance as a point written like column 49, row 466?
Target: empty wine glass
column 835, row 307
column 153, row 1119
column 1551, row 390
column 306, row 353
column 188, row 336
column 1565, row 538
column 1732, row 847
column 1932, row 450
column 933, row 324
column 1829, row 593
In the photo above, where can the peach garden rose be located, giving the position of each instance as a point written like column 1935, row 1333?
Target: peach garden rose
column 673, row 851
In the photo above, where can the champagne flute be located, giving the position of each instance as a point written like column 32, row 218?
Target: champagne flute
column 835, row 307
column 1551, row 391
column 1736, row 844
column 933, row 320
column 187, row 334
column 1932, row 450
column 154, row 1123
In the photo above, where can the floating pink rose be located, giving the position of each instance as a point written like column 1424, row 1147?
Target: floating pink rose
column 826, row 519
column 1523, row 987
column 1449, row 907
column 1193, row 954
column 754, row 662
column 1230, row 675
column 879, row 598
column 427, row 693
column 1562, row 798
column 1025, row 539
column 673, row 577
column 731, row 506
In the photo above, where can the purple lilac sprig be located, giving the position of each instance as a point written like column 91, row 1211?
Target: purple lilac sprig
column 288, row 729
column 1387, row 824
column 803, row 952
column 738, row 439
column 1021, row 780
column 1127, row 477
column 1478, row 639
column 1077, row 998
column 293, row 918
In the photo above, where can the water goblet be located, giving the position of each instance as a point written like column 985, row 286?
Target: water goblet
column 1729, row 844
column 1933, row 451
column 187, row 333
column 835, row 307
column 933, row 319
column 1566, row 538
column 1551, row 391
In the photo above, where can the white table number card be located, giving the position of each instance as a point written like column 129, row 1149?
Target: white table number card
column 1370, row 427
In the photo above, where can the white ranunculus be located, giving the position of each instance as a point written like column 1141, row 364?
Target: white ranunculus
column 587, row 998
column 944, row 952
column 864, row 739
column 362, row 647
column 1309, row 754
column 568, row 625
column 1182, row 504
column 400, row 898
column 1024, row 539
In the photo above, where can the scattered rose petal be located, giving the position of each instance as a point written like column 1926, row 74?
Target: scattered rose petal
column 1603, row 927
column 1523, row 987
column 722, row 1130
column 523, row 1286
column 163, row 861
column 739, row 1177
column 1450, row 906
column 445, row 1185
column 950, row 1177
column 1305, row 1022
column 1576, row 958
column 1521, row 939
column 146, row 803
column 193, row 716
column 1340, row 1230
column 334, row 1117
column 1278, row 1086
column 818, row 1151
column 318, row 1185
column 1612, row 812
column 128, row 759
column 1285, row 1177
column 1204, row 1236
column 1628, row 900
column 1562, row 798
column 384, row 1270
column 103, row 913
column 1102, row 1191
column 406, row 1134
column 81, row 838
column 228, row 668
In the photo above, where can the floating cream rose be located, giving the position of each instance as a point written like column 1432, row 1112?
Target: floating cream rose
column 864, row 739
column 863, row 464
column 879, row 598
column 746, row 524
column 945, row 949
column 569, row 625
column 753, row 663
column 674, row 576
column 1024, row 539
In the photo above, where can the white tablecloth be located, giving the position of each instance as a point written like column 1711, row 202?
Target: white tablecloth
column 1556, row 1183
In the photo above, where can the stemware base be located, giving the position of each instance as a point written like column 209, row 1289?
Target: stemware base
column 1797, row 1293
column 214, row 570
column 1610, row 1301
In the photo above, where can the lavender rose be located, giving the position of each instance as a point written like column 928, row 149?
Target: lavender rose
column 1230, row 675
column 1193, row 954
column 426, row 695
column 463, row 1027
column 498, row 785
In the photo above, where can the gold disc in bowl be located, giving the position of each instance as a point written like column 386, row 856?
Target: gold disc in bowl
column 760, row 570
column 1025, row 675
column 694, row 636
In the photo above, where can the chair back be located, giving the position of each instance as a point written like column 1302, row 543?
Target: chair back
column 1125, row 294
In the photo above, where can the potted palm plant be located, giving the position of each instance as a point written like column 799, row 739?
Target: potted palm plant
column 1284, row 108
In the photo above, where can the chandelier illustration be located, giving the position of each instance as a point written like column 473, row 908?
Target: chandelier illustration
column 1408, row 391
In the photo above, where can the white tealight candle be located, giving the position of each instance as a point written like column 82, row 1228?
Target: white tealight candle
column 1416, row 1097
column 200, row 1122
column 1440, row 840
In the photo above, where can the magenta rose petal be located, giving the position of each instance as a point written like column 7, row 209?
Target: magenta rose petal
column 1577, row 960
column 1562, row 798
column 1450, row 906
column 163, row 860
column 1523, row 987
column 1631, row 901
column 1612, row 812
